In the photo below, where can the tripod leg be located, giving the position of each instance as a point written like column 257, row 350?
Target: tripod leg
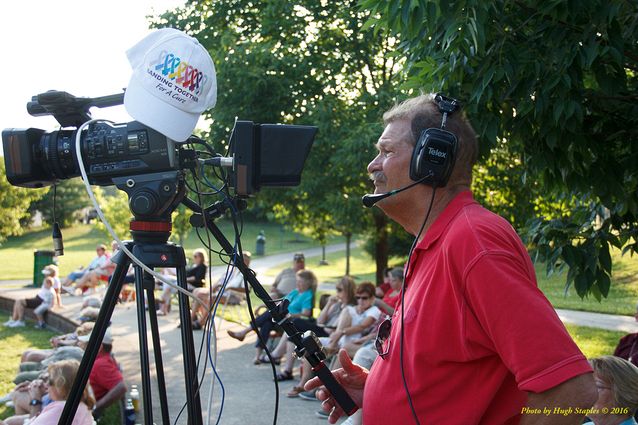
column 144, row 363
column 149, row 284
column 95, row 342
column 188, row 348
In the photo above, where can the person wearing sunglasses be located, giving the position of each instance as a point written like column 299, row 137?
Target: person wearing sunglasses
column 473, row 341
column 355, row 320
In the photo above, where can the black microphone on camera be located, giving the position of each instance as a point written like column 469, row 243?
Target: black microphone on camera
column 370, row 200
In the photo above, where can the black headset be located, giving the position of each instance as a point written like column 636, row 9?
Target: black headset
column 435, row 151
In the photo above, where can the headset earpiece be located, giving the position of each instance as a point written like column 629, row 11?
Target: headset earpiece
column 435, row 151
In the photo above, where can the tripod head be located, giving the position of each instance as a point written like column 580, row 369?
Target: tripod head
column 152, row 199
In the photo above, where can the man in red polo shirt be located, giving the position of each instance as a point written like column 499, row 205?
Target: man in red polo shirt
column 106, row 378
column 480, row 343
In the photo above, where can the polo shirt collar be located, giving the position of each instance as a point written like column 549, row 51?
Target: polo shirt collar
column 443, row 220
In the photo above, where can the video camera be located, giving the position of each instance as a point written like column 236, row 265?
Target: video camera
column 260, row 155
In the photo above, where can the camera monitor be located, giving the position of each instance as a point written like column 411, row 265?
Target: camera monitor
column 268, row 155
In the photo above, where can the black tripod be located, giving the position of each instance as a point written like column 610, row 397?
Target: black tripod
column 153, row 255
column 152, row 197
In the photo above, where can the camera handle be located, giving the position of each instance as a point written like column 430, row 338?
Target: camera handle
column 306, row 344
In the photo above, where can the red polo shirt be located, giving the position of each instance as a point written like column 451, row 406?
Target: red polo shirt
column 105, row 374
column 478, row 332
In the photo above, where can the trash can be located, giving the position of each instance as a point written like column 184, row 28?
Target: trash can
column 41, row 259
column 260, row 248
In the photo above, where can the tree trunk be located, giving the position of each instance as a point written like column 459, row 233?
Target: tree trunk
column 381, row 245
column 348, row 240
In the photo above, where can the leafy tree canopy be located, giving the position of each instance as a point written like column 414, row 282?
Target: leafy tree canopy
column 302, row 62
column 552, row 88
column 14, row 205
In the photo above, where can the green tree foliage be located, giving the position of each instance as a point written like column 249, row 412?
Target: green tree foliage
column 555, row 84
column 302, row 62
column 71, row 197
column 181, row 223
column 14, row 205
column 114, row 205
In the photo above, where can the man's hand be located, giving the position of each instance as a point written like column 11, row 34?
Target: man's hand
column 351, row 376
column 37, row 389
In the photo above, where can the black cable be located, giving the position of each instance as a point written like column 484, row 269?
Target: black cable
column 407, row 270
column 201, row 345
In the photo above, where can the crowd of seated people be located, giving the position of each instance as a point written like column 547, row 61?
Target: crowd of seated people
column 106, row 384
column 47, row 395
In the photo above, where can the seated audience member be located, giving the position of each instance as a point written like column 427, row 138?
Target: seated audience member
column 98, row 262
column 53, row 271
column 617, row 383
column 105, row 378
column 234, row 291
column 355, row 320
column 34, row 364
column 300, row 306
column 287, row 278
column 165, row 299
column 325, row 324
column 627, row 347
column 381, row 290
column 40, row 304
column 70, row 339
column 390, row 299
column 48, row 396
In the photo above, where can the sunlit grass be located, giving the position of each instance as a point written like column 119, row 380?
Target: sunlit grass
column 594, row 342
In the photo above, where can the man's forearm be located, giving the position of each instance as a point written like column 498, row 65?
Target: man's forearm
column 114, row 394
column 564, row 404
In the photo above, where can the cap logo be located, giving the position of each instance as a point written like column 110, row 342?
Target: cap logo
column 176, row 74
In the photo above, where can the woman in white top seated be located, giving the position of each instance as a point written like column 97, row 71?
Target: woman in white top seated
column 355, row 320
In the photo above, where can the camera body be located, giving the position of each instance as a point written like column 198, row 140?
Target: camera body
column 35, row 158
column 270, row 155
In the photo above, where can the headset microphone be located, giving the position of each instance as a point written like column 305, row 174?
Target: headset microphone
column 370, row 200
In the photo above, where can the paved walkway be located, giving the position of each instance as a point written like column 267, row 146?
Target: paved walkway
column 249, row 389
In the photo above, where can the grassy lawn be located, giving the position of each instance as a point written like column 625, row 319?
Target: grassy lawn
column 594, row 342
column 16, row 254
column 362, row 266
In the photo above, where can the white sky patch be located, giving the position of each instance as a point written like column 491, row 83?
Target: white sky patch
column 69, row 45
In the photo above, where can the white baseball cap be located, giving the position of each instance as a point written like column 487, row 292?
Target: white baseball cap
column 107, row 339
column 173, row 82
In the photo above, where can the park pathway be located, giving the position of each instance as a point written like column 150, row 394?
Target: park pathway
column 249, row 389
